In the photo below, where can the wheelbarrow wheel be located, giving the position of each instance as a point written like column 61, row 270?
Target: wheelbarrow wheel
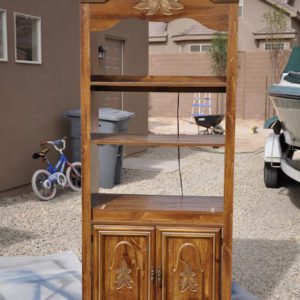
column 218, row 130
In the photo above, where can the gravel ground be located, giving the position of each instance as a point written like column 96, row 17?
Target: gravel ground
column 266, row 254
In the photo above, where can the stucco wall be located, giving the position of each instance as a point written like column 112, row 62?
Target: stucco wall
column 255, row 74
column 250, row 22
column 34, row 97
column 296, row 26
column 170, row 46
column 134, row 34
column 164, row 104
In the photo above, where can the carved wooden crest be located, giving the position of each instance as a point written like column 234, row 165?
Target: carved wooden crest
column 123, row 278
column 152, row 6
column 188, row 281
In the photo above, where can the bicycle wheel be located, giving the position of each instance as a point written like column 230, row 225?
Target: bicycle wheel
column 38, row 188
column 73, row 175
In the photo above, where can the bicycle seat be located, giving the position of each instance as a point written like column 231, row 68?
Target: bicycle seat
column 42, row 153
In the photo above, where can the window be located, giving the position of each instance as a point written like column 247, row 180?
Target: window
column 3, row 36
column 195, row 48
column 28, row 39
column 199, row 48
column 241, row 8
column 290, row 2
column 205, row 47
column 273, row 46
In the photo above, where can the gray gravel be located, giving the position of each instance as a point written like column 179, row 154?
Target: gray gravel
column 266, row 222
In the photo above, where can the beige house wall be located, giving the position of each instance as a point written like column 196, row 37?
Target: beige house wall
column 164, row 104
column 34, row 97
column 296, row 26
column 255, row 74
column 134, row 35
column 169, row 46
column 249, row 23
column 252, row 21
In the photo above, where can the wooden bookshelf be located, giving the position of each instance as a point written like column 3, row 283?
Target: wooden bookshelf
column 153, row 239
column 189, row 84
column 143, row 209
column 159, row 140
column 120, row 202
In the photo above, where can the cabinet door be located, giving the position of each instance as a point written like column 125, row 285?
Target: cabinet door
column 124, row 258
column 188, row 263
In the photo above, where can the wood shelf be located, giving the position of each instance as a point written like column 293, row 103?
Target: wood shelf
column 162, row 140
column 187, row 84
column 122, row 202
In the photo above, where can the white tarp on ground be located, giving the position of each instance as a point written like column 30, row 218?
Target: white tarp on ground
column 52, row 277
column 239, row 293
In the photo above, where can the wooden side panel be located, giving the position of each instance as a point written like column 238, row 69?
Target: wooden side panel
column 232, row 65
column 123, row 263
column 211, row 14
column 86, row 152
column 189, row 260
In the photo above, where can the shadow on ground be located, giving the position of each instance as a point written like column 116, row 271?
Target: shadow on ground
column 61, row 196
column 259, row 265
column 10, row 236
column 131, row 176
column 291, row 188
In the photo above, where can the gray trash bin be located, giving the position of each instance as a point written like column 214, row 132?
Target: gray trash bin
column 110, row 156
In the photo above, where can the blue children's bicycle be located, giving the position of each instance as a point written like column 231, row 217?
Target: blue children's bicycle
column 44, row 182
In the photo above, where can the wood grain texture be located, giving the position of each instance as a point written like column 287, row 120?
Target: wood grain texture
column 221, row 1
column 130, row 217
column 123, row 258
column 232, row 65
column 161, row 140
column 93, row 1
column 187, row 84
column 122, row 202
column 102, row 1
column 153, row 210
column 86, row 157
column 210, row 14
column 190, row 261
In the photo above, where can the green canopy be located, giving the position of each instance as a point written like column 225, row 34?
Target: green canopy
column 293, row 64
column 270, row 122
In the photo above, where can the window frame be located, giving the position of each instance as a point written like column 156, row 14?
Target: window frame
column 191, row 45
column 271, row 46
column 205, row 44
column 5, row 45
column 241, row 8
column 200, row 45
column 39, row 37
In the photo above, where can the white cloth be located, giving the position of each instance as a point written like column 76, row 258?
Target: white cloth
column 52, row 277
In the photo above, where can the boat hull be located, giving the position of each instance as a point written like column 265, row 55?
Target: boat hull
column 288, row 111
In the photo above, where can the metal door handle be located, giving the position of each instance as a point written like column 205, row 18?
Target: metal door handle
column 152, row 274
column 159, row 277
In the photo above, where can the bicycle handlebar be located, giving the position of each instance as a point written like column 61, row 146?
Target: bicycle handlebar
column 56, row 144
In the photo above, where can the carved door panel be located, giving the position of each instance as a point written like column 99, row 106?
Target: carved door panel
column 188, row 263
column 124, row 261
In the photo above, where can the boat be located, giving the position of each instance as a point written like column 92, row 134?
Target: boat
column 285, row 139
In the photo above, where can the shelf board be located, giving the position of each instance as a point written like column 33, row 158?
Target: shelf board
column 187, row 84
column 120, row 202
column 162, row 140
